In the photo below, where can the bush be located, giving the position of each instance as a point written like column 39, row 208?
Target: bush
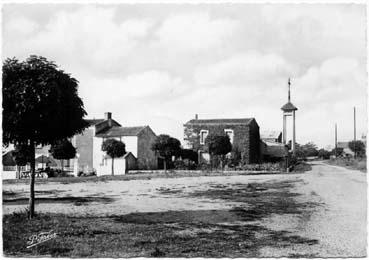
column 184, row 164
column 261, row 167
column 54, row 173
column 86, row 174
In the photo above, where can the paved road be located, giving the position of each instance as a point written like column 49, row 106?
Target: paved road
column 339, row 223
column 336, row 219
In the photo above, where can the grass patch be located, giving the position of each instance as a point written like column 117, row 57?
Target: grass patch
column 350, row 163
column 197, row 233
column 301, row 167
column 146, row 236
column 135, row 176
column 78, row 201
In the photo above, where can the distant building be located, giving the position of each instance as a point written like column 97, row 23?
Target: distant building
column 138, row 141
column 273, row 151
column 346, row 150
column 243, row 133
column 271, row 136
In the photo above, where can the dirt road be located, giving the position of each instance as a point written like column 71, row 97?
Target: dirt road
column 339, row 219
column 321, row 213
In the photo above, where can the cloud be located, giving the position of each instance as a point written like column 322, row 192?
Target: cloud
column 197, row 31
column 135, row 91
column 313, row 33
column 89, row 37
column 335, row 80
column 326, row 94
column 245, row 68
column 20, row 25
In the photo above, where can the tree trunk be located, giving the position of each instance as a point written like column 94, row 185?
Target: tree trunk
column 32, row 183
column 62, row 165
column 211, row 162
column 112, row 166
column 221, row 162
column 165, row 165
column 17, row 175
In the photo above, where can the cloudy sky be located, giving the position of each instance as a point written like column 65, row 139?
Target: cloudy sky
column 159, row 65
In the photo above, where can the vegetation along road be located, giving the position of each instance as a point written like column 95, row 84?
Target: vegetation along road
column 321, row 212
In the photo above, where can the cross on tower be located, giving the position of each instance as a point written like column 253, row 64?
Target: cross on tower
column 289, row 90
column 289, row 110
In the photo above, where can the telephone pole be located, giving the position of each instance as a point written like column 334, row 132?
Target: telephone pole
column 354, row 132
column 335, row 140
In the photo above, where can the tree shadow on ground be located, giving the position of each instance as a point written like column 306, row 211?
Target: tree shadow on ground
column 238, row 232
column 77, row 201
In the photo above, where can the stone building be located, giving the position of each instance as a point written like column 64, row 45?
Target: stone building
column 138, row 140
column 243, row 133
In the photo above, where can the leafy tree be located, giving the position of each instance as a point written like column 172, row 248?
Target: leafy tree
column 324, row 154
column 114, row 149
column 339, row 151
column 236, row 156
column 358, row 147
column 300, row 152
column 190, row 155
column 166, row 147
column 40, row 106
column 21, row 155
column 218, row 145
column 310, row 149
column 63, row 150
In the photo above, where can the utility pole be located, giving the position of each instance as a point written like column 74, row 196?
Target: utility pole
column 335, row 140
column 354, row 132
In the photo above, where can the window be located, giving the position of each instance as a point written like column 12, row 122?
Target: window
column 229, row 132
column 203, row 135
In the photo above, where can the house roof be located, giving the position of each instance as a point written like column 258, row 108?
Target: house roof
column 117, row 131
column 8, row 159
column 92, row 122
column 342, row 145
column 288, row 107
column 231, row 121
column 123, row 157
column 275, row 149
column 270, row 134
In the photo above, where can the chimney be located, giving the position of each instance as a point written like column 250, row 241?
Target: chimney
column 107, row 115
column 196, row 116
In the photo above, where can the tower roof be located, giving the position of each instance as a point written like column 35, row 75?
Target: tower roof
column 288, row 107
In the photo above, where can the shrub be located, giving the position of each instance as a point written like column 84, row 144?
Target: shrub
column 184, row 164
column 260, row 167
column 54, row 173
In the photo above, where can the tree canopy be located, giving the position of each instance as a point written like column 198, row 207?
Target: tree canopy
column 339, row 151
column 324, row 154
column 218, row 144
column 63, row 150
column 166, row 147
column 22, row 155
column 189, row 154
column 310, row 149
column 114, row 148
column 40, row 102
column 358, row 147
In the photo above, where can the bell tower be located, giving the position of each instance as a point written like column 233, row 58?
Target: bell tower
column 289, row 110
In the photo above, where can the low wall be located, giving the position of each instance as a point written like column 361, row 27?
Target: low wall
column 8, row 175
